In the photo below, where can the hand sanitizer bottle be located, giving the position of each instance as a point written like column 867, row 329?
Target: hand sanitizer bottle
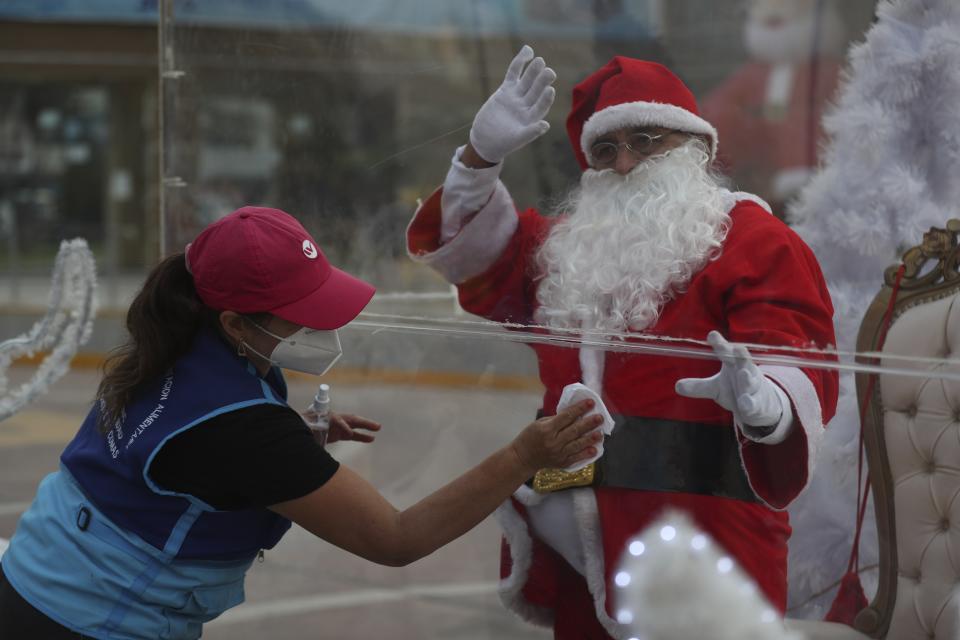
column 317, row 415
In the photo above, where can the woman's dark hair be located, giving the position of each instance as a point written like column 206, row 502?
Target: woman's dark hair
column 162, row 322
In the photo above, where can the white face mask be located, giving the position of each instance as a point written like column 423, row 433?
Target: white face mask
column 307, row 350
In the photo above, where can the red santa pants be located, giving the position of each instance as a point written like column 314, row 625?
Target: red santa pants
column 575, row 617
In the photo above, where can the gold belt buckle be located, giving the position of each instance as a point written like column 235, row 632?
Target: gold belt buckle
column 549, row 480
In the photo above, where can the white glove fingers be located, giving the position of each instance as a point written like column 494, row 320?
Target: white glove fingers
column 542, row 106
column 742, row 357
column 539, row 86
column 722, row 348
column 715, row 339
column 505, row 122
column 518, row 63
column 707, row 388
column 530, row 75
column 747, row 404
column 537, row 129
column 749, row 381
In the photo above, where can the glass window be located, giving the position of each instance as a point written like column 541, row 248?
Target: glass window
column 347, row 116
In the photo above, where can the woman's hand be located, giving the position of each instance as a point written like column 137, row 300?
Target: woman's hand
column 561, row 440
column 344, row 426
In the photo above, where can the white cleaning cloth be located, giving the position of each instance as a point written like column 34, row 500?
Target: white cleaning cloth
column 574, row 393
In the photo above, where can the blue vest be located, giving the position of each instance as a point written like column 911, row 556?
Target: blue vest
column 106, row 552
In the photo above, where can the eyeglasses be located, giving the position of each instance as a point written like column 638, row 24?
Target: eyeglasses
column 639, row 144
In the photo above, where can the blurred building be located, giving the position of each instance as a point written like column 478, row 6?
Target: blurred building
column 343, row 113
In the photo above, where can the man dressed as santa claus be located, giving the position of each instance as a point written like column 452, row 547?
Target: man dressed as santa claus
column 648, row 243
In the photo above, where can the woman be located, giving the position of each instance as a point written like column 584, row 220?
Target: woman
column 191, row 463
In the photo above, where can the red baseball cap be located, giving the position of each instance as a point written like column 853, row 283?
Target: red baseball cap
column 262, row 260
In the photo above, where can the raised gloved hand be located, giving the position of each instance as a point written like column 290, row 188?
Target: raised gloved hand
column 758, row 405
column 513, row 116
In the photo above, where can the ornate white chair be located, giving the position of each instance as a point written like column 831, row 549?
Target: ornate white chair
column 912, row 435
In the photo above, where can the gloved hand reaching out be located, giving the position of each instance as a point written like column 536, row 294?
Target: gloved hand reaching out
column 760, row 407
column 513, row 116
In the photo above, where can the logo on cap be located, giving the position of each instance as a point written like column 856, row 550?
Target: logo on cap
column 309, row 250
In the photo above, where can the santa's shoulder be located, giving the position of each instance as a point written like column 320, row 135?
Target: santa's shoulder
column 752, row 222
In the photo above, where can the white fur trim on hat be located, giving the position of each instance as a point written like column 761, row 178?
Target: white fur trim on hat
column 643, row 114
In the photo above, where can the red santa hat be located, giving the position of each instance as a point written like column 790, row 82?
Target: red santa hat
column 632, row 93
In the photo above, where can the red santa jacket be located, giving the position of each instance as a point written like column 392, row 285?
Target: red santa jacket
column 765, row 288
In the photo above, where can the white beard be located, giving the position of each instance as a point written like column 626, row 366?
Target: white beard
column 794, row 41
column 631, row 243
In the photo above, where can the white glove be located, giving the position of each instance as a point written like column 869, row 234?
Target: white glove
column 514, row 115
column 760, row 407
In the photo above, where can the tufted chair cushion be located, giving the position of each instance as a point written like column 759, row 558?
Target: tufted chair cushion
column 918, row 466
column 921, row 427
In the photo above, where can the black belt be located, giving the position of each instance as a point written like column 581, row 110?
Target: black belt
column 650, row 454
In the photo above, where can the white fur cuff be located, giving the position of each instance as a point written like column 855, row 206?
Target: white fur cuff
column 479, row 243
column 801, row 391
column 465, row 192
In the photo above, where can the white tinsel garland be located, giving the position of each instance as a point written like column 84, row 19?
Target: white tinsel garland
column 675, row 583
column 67, row 324
column 891, row 170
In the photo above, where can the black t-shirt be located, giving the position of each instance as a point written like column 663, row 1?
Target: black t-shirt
column 252, row 457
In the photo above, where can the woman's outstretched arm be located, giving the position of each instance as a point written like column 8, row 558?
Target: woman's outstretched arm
column 349, row 512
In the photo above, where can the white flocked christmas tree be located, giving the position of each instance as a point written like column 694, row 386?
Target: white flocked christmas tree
column 891, row 170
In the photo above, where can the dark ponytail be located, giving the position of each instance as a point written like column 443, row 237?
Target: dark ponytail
column 162, row 321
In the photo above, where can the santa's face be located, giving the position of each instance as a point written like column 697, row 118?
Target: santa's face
column 790, row 31
column 629, row 243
